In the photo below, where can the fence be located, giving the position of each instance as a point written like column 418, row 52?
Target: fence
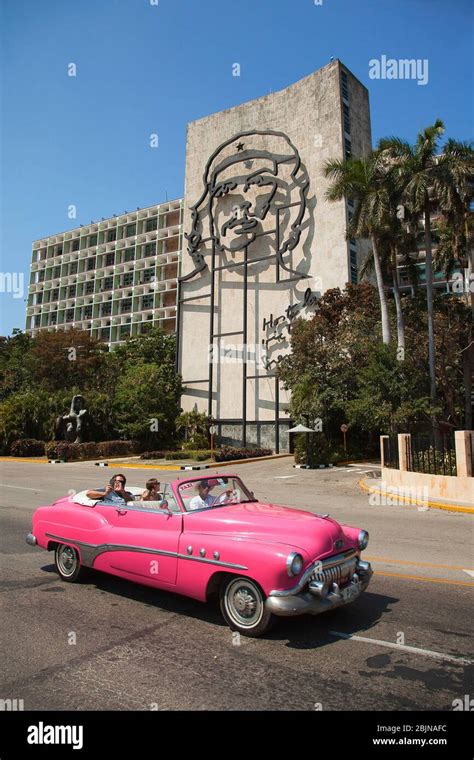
column 471, row 452
column 435, row 455
column 390, row 452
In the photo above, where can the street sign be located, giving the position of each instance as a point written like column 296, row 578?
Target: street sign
column 212, row 430
column 344, row 428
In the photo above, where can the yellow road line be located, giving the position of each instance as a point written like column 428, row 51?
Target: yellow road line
column 423, row 578
column 417, row 564
column 432, row 504
column 27, row 460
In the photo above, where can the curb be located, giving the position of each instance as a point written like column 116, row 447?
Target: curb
column 432, row 504
column 316, row 466
column 207, row 466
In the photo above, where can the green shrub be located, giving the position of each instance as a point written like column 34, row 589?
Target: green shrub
column 228, row 453
column 27, row 447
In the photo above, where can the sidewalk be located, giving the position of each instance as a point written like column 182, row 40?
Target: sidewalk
column 374, row 486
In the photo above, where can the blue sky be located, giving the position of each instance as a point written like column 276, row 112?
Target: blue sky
column 144, row 68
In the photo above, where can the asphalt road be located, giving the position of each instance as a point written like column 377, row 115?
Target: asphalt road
column 106, row 643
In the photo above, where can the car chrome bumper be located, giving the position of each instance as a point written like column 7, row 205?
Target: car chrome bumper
column 312, row 603
column 31, row 539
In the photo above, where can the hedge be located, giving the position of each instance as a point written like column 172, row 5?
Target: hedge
column 89, row 450
column 27, row 447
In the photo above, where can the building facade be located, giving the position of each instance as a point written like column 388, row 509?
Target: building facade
column 252, row 246
column 112, row 278
column 262, row 244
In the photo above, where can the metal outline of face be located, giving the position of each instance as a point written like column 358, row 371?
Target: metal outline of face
column 300, row 180
column 261, row 178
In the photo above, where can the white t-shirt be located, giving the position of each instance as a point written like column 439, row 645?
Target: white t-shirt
column 199, row 503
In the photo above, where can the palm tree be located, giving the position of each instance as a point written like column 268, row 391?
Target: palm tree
column 456, row 244
column 421, row 175
column 363, row 180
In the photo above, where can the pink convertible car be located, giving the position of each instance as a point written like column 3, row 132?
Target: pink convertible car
column 208, row 536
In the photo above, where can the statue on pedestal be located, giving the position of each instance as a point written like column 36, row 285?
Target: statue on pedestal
column 71, row 427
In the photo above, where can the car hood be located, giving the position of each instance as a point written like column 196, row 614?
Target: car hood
column 271, row 523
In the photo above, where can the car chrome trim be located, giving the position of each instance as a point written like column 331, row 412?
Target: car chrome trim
column 321, row 565
column 31, row 539
column 89, row 552
column 306, row 603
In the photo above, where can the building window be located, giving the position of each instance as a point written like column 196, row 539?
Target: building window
column 75, row 245
column 53, row 318
column 127, row 279
column 354, row 275
column 151, row 224
column 104, row 333
column 55, row 294
column 347, row 147
column 148, row 274
column 125, row 305
column 69, row 315
column 129, row 254
column 347, row 118
column 147, row 301
column 89, row 287
column 39, row 298
column 37, row 320
column 106, row 309
column 91, row 263
column 111, row 235
column 73, row 268
column 150, row 249
column 109, row 259
column 87, row 312
column 57, row 272
column 93, row 240
column 108, row 283
column 41, row 276
column 71, row 291
column 344, row 85
column 124, row 330
column 130, row 230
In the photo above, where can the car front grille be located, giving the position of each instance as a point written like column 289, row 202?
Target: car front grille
column 337, row 569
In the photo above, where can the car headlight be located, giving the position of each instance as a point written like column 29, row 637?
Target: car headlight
column 363, row 539
column 294, row 564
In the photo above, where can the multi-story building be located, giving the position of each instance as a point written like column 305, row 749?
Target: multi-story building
column 263, row 243
column 112, row 278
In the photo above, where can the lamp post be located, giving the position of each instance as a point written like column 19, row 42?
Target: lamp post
column 212, row 431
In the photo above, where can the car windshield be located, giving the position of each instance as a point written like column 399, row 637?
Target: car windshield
column 206, row 493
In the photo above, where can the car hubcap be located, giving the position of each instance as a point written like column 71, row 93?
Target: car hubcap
column 244, row 603
column 67, row 560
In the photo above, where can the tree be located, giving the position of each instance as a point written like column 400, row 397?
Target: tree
column 147, row 402
column 364, row 180
column 425, row 179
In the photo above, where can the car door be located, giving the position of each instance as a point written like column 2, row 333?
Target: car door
column 142, row 543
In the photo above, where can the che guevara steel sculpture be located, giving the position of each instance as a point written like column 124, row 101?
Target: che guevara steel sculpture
column 254, row 186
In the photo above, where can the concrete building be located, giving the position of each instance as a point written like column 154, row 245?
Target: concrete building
column 262, row 243
column 112, row 278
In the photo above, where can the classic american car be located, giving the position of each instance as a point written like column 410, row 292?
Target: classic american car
column 209, row 536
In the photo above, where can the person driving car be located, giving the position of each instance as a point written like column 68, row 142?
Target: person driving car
column 204, row 499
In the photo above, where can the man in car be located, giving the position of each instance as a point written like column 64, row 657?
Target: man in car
column 114, row 493
column 204, row 499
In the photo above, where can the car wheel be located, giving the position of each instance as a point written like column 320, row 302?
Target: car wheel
column 67, row 563
column 243, row 607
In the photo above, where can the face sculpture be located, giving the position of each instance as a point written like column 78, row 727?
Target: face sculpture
column 254, row 186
